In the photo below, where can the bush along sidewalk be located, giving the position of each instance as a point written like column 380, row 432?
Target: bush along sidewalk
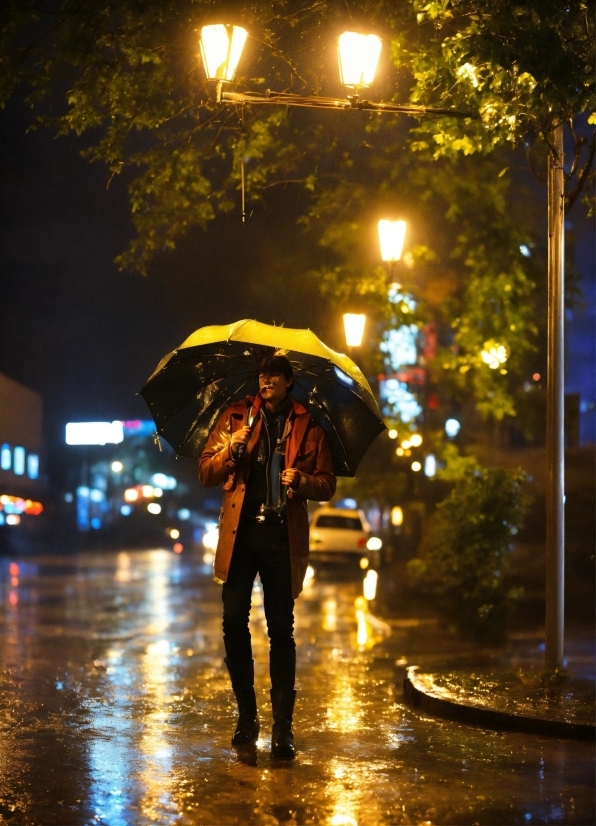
column 467, row 551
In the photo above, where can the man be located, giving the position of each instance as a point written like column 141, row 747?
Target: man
column 269, row 468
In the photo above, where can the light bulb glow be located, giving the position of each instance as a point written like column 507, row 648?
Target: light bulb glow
column 452, row 428
column 416, row 466
column 493, row 354
column 430, row 466
column 392, row 235
column 354, row 328
column 221, row 49
column 397, row 516
column 358, row 58
column 369, row 586
column 392, row 434
column 415, row 439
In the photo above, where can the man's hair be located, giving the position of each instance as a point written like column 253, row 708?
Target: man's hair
column 275, row 364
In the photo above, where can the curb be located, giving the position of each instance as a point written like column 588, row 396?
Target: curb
column 416, row 695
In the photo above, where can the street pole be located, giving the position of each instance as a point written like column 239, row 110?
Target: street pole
column 555, row 398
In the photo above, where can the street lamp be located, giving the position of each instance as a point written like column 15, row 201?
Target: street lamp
column 221, row 48
column 392, row 235
column 358, row 58
column 354, row 328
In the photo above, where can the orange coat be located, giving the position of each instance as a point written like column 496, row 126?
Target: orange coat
column 306, row 450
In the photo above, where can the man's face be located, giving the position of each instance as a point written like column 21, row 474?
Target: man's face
column 273, row 387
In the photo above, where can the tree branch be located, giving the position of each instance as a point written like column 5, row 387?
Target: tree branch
column 583, row 178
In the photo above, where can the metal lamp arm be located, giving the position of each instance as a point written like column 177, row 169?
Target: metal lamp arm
column 320, row 102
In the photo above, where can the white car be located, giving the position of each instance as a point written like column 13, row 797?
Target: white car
column 337, row 534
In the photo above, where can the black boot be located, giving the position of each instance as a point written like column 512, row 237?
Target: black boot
column 247, row 728
column 282, row 736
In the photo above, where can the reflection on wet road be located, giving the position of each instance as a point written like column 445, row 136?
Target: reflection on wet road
column 115, row 708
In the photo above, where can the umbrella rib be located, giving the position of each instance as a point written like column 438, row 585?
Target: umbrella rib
column 330, row 420
column 237, row 326
column 333, row 381
column 181, row 405
column 228, row 400
column 205, row 386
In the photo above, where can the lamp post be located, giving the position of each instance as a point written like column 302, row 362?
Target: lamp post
column 555, row 391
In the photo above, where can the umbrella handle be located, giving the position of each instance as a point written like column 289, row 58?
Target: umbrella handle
column 249, row 422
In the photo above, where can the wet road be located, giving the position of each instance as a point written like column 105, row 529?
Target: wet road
column 115, row 709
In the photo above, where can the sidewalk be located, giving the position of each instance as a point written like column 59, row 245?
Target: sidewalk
column 503, row 689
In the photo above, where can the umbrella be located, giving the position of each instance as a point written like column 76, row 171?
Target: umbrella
column 216, row 366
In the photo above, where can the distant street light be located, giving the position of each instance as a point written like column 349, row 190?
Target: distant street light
column 392, row 235
column 354, row 328
column 397, row 516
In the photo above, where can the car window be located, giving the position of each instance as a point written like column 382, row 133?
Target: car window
column 350, row 523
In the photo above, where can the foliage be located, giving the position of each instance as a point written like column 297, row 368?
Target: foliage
column 464, row 266
column 524, row 67
column 469, row 549
column 125, row 77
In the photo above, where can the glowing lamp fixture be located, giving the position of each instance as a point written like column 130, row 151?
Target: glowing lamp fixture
column 221, row 48
column 415, row 439
column 397, row 516
column 358, row 59
column 354, row 327
column 392, row 235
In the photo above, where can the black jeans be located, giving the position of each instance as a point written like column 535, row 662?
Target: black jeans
column 262, row 549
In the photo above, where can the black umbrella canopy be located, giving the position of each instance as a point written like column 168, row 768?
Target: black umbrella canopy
column 216, row 367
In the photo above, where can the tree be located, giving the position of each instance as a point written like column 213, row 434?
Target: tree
column 525, row 67
column 529, row 69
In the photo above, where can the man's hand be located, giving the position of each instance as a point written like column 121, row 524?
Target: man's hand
column 240, row 437
column 290, row 477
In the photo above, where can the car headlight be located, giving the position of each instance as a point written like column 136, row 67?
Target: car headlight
column 374, row 544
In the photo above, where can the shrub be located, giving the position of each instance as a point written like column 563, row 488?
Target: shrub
column 469, row 549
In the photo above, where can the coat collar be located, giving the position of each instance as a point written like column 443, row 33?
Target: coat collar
column 300, row 418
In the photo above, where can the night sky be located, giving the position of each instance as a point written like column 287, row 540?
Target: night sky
column 87, row 336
